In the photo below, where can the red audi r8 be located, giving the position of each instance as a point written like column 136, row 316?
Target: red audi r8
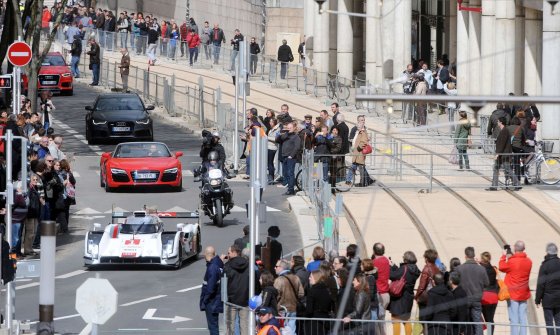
column 55, row 75
column 141, row 164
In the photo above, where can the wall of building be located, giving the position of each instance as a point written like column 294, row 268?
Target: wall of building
column 277, row 28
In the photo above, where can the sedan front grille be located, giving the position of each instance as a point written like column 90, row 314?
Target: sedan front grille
column 145, row 176
column 49, row 79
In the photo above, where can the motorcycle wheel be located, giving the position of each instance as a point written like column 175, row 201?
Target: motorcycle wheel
column 218, row 213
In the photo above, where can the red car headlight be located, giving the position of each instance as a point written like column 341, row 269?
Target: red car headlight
column 172, row 170
column 66, row 75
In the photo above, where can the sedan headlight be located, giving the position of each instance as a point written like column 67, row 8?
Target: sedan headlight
column 172, row 170
column 145, row 121
column 66, row 75
column 117, row 171
column 97, row 123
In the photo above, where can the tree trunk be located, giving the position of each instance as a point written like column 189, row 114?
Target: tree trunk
column 35, row 66
column 19, row 26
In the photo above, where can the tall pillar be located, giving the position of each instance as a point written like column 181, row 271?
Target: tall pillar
column 321, row 42
column 533, row 52
column 463, row 51
column 358, row 27
column 474, row 49
column 345, row 40
column 487, row 48
column 310, row 9
column 333, row 37
column 403, row 36
column 373, row 41
column 504, row 62
column 451, row 40
column 388, row 39
column 519, row 73
column 550, row 71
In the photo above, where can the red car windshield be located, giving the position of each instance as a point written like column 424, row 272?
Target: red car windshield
column 140, row 150
column 53, row 60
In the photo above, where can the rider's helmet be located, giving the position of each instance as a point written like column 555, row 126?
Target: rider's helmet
column 213, row 157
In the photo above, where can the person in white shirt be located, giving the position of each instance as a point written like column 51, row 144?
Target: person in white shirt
column 54, row 148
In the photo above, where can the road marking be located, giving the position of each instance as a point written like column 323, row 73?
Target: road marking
column 71, row 131
column 59, row 318
column 71, row 274
column 87, row 217
column 133, row 329
column 243, row 210
column 86, row 211
column 116, row 209
column 143, row 300
column 26, row 286
column 187, row 173
column 84, row 141
column 95, row 147
column 190, row 289
column 197, row 329
column 75, row 174
column 20, row 280
column 79, row 136
column 177, row 209
column 149, row 315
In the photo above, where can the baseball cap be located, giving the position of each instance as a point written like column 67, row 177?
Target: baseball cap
column 308, row 116
column 264, row 310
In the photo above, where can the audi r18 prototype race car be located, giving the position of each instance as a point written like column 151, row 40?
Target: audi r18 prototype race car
column 139, row 238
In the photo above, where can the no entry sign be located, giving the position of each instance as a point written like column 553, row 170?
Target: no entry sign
column 19, row 53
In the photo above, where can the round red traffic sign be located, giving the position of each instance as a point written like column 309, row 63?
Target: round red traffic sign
column 19, row 53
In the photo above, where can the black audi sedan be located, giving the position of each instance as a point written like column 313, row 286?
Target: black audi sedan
column 116, row 116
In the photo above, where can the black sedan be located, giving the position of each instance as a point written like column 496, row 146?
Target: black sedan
column 119, row 116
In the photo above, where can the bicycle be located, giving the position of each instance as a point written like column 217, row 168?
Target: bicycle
column 338, row 182
column 541, row 168
column 336, row 89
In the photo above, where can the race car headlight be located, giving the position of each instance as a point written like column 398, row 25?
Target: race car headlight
column 117, row 171
column 93, row 249
column 66, row 75
column 215, row 182
column 172, row 170
column 145, row 121
column 97, row 123
column 169, row 248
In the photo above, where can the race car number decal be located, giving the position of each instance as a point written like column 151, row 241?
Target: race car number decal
column 132, row 242
column 128, row 254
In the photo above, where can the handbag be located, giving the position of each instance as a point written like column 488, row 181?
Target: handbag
column 453, row 159
column 489, row 298
column 367, row 149
column 503, row 293
column 396, row 288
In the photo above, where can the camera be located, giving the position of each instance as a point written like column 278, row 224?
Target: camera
column 507, row 248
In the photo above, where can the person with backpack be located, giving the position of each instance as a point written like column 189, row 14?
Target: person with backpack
column 76, row 52
column 401, row 300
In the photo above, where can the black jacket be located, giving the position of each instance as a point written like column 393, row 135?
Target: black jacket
column 291, row 144
column 440, row 306
column 548, row 283
column 153, row 36
column 270, row 298
column 94, row 57
column 349, row 306
column 319, row 302
column 343, row 133
column 235, row 41
column 220, row 36
column 237, row 273
column 503, row 144
column 255, row 49
column 492, row 282
column 210, row 295
column 402, row 306
column 303, row 275
column 492, row 129
column 461, row 309
column 285, row 53
column 76, row 49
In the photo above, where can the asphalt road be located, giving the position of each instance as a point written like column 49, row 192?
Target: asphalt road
column 174, row 294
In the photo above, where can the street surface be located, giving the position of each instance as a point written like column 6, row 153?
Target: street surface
column 150, row 300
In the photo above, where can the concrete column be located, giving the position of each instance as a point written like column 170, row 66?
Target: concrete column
column 474, row 49
column 373, row 41
column 310, row 9
column 321, row 42
column 451, row 31
column 463, row 51
column 402, row 25
column 388, row 39
column 550, row 113
column 487, row 49
column 333, row 37
column 504, row 62
column 345, row 40
column 519, row 72
column 533, row 52
column 358, row 27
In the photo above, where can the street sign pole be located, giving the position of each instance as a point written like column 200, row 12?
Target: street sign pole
column 10, row 289
column 243, row 76
column 236, row 123
column 47, row 286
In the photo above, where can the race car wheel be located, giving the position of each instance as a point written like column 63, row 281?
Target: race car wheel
column 198, row 243
column 218, row 214
column 101, row 181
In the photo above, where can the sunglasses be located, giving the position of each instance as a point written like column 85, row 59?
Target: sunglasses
column 50, row 160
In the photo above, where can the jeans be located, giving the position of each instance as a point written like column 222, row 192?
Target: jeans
column 291, row 323
column 253, row 65
column 552, row 318
column 109, row 40
column 102, row 37
column 237, row 318
column 325, row 162
column 475, row 313
column 95, row 70
column 505, row 163
column 163, row 48
column 123, row 36
column 207, row 50
column 151, row 52
column 184, row 46
column 141, row 44
column 289, row 166
column 124, row 78
column 172, row 51
column 213, row 324
column 74, row 66
column 383, row 299
column 463, row 158
column 216, row 48
column 193, row 53
column 132, row 39
column 283, row 70
column 271, row 156
column 517, row 312
column 16, row 233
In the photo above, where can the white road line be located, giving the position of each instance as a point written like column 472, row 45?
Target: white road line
column 95, row 147
column 75, row 174
column 79, row 136
column 84, row 141
column 143, row 300
column 190, row 289
column 133, row 329
column 188, row 173
column 63, row 126
column 71, row 131
column 58, row 318
column 71, row 274
column 21, row 287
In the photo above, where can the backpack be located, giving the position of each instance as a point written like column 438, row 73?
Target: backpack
column 9, row 265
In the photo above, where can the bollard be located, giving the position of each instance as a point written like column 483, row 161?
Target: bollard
column 46, row 288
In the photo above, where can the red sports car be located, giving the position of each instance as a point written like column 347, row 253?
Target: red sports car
column 55, row 75
column 141, row 164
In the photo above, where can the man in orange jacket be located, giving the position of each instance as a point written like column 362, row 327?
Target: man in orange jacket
column 517, row 267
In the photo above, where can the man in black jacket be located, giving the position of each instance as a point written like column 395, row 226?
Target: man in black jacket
column 237, row 37
column 291, row 147
column 503, row 157
column 461, row 304
column 217, row 37
column 94, row 60
column 440, row 307
column 343, row 132
column 284, row 57
column 237, row 272
column 254, row 50
column 548, row 289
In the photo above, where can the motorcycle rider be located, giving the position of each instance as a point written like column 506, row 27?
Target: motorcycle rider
column 211, row 143
column 211, row 163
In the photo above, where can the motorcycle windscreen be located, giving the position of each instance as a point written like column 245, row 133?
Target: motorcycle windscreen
column 215, row 174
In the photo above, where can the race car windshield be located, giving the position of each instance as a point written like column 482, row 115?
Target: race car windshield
column 55, row 60
column 119, row 104
column 138, row 228
column 138, row 150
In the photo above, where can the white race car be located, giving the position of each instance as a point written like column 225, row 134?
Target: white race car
column 141, row 239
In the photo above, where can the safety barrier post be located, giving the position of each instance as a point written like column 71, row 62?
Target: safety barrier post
column 431, row 172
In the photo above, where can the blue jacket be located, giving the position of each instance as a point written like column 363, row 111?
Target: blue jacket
column 211, row 297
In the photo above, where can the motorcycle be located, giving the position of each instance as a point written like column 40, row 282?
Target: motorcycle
column 216, row 196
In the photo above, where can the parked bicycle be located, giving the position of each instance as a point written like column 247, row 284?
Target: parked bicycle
column 336, row 89
column 338, row 182
column 541, row 168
